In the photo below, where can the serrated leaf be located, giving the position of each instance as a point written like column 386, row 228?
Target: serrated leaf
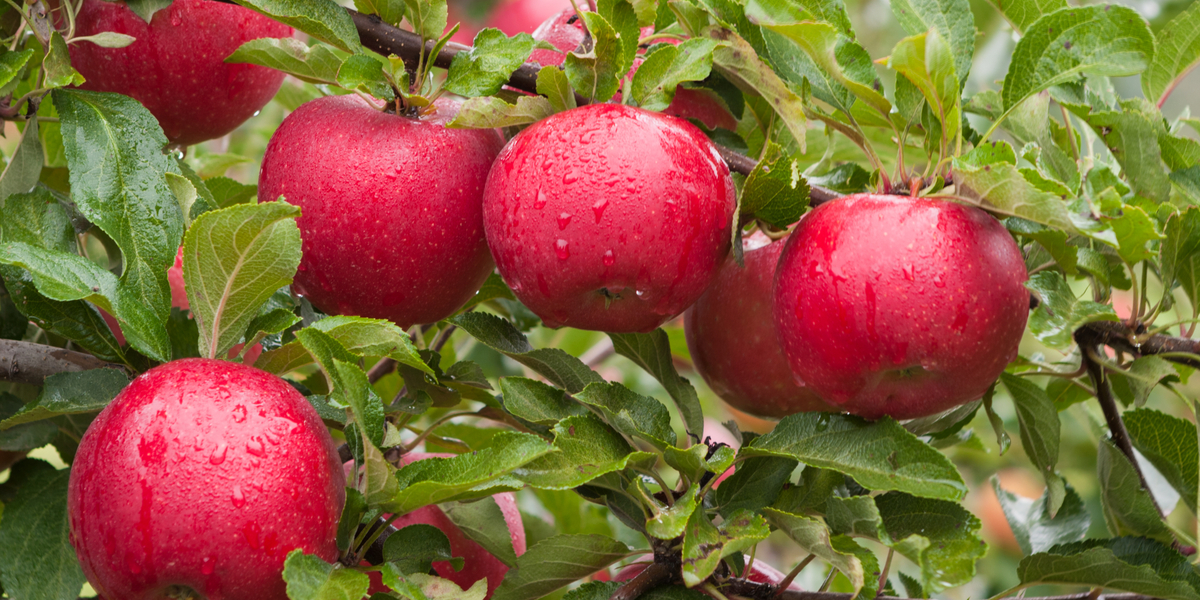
column 358, row 335
column 1060, row 313
column 466, row 476
column 389, row 11
column 310, row 578
column 483, row 522
column 227, row 192
column 1023, row 13
column 25, row 167
column 77, row 321
column 668, row 522
column 1137, row 565
column 1176, row 53
column 989, row 173
column 1040, row 432
column 704, row 544
column 653, row 86
column 755, row 484
column 810, row 495
column 1179, row 254
column 146, row 8
column 1098, row 40
column 40, row 562
column 427, row 17
column 414, row 549
column 556, row 366
column 26, row 436
column 596, row 72
column 65, row 277
column 587, row 448
column 624, row 21
column 1169, row 443
column 71, row 393
column 1133, row 385
column 491, row 112
column 951, row 19
column 1131, row 134
column 552, row 83
column 351, row 388
column 118, row 181
column 694, row 462
column 352, row 512
column 941, row 537
column 321, row 19
column 632, row 414
column 537, row 402
column 315, row 64
column 233, row 260
column 737, row 61
column 927, row 62
column 1034, row 527
column 11, row 64
column 879, row 455
column 776, row 191
column 555, row 562
column 652, row 352
column 1128, row 508
column 57, row 64
column 813, row 537
column 1053, row 240
column 486, row 67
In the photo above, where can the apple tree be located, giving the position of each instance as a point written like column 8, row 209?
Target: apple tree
column 1049, row 144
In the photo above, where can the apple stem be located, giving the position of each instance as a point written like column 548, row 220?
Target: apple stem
column 791, row 576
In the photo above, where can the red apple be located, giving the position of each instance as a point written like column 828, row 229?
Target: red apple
column 731, row 336
column 199, row 478
column 524, row 16
column 176, row 67
column 391, row 216
column 901, row 307
column 565, row 32
column 609, row 217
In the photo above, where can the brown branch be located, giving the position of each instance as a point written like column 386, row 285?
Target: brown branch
column 27, row 362
column 381, row 369
column 655, row 575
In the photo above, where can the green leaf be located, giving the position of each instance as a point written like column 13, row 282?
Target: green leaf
column 1179, row 254
column 704, row 544
column 813, row 537
column 1060, row 313
column 1053, row 240
column 776, row 191
column 27, row 436
column 879, row 455
column 1134, row 384
column 621, row 16
column 483, row 522
column 466, row 476
column 208, row 166
column 652, row 352
column 25, row 167
column 427, row 17
column 630, row 413
column 558, row 367
column 1032, row 524
column 1128, row 508
column 927, row 62
column 1131, row 134
column 668, row 522
column 1023, row 13
column 1098, row 40
column 11, row 64
column 77, row 321
column 553, row 563
column 360, row 336
column 352, row 389
column 491, row 112
column 552, row 83
column 989, row 173
column 321, row 19
column 486, row 67
column 694, row 462
column 755, row 483
column 597, row 71
column 227, row 192
column 38, row 561
column 537, row 402
column 233, row 260
column 118, row 181
column 1040, row 431
column 1169, row 443
column 1176, row 53
column 71, row 393
column 146, row 8
column 1136, row 565
column 942, row 538
column 737, row 61
column 654, row 84
column 310, row 578
column 315, row 64
column 65, row 277
column 379, row 476
column 389, row 11
column 951, row 19
column 414, row 549
column 365, row 74
column 57, row 64
column 352, row 513
column 587, row 448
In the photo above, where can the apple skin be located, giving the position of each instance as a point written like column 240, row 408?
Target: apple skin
column 203, row 474
column 391, row 221
column 524, row 16
column 609, row 217
column 566, row 33
column 900, row 307
column 176, row 67
column 731, row 335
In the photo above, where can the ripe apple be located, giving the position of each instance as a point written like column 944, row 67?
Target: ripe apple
column 565, row 32
column 391, row 216
column 197, row 480
column 176, row 67
column 524, row 16
column 731, row 335
column 901, row 307
column 609, row 217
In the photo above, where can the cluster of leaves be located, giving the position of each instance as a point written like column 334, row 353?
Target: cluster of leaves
column 1094, row 192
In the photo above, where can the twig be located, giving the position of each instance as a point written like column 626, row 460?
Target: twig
column 655, row 575
column 381, row 369
column 27, row 362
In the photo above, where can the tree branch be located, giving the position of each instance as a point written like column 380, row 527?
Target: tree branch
column 27, row 362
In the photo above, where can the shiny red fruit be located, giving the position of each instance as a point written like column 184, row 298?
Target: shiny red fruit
column 524, row 16
column 199, row 478
column 477, row 562
column 391, row 221
column 731, row 335
column 609, row 217
column 176, row 67
column 901, row 307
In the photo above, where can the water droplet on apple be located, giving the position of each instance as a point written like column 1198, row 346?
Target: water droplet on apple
column 562, row 249
column 218, row 456
column 238, row 498
column 598, row 208
column 937, row 280
column 255, row 447
column 570, row 177
column 540, row 201
column 609, row 258
column 176, row 20
column 564, row 219
column 908, row 272
column 239, row 413
column 134, row 566
column 207, row 565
